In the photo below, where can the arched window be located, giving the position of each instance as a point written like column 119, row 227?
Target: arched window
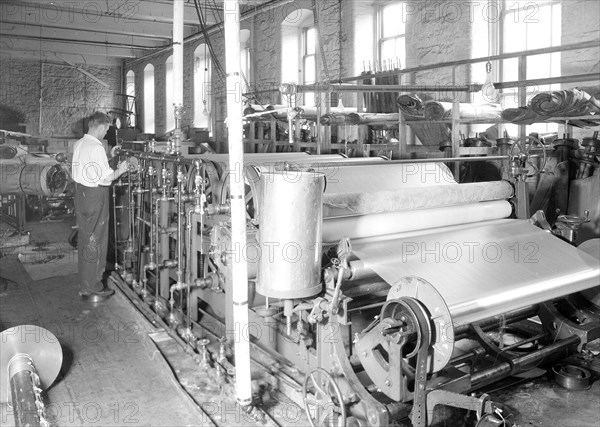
column 299, row 50
column 169, row 111
column 202, row 87
column 149, row 99
column 130, row 98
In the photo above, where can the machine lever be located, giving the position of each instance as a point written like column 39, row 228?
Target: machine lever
column 343, row 252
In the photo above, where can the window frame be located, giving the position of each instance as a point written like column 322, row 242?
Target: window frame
column 149, row 106
column 206, row 78
column 308, row 98
column 169, row 95
column 379, row 31
column 130, row 99
column 508, row 12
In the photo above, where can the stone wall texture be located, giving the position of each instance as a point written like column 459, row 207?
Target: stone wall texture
column 435, row 32
column 67, row 95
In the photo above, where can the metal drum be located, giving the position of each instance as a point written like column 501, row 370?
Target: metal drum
column 290, row 209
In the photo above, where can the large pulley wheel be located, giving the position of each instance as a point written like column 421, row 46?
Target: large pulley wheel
column 327, row 408
column 521, row 151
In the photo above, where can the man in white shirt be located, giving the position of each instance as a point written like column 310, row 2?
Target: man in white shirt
column 93, row 176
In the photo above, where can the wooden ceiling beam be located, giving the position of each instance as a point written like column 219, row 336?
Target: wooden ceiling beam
column 11, row 44
column 144, row 30
column 93, row 37
column 117, row 11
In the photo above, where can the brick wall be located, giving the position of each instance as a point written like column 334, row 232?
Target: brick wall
column 68, row 96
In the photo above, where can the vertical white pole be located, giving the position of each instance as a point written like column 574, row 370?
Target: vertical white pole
column 237, row 200
column 178, row 7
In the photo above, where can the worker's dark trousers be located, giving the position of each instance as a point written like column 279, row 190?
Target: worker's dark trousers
column 91, row 208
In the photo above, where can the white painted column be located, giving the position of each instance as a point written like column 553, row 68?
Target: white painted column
column 178, row 8
column 237, row 200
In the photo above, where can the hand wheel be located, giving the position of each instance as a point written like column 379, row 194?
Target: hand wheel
column 521, row 150
column 328, row 402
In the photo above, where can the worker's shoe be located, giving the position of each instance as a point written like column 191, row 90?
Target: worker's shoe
column 98, row 296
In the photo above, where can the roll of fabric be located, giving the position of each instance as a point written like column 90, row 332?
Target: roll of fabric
column 435, row 110
column 569, row 102
column 411, row 106
column 364, row 226
column 520, row 115
column 411, row 198
column 373, row 118
column 335, row 119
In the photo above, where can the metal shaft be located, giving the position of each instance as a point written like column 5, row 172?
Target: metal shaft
column 556, row 350
column 24, row 400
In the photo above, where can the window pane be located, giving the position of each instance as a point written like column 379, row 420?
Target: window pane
column 309, row 69
column 539, row 28
column 202, row 88
column 130, row 102
column 169, row 111
column 149, row 99
column 515, row 34
column 392, row 20
column 310, row 41
column 309, row 99
column 394, row 49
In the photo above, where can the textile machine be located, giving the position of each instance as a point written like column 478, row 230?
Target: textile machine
column 385, row 286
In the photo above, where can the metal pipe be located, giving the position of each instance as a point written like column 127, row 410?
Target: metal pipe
column 237, row 196
column 490, row 375
column 115, row 228
column 24, row 400
column 462, row 331
column 549, row 80
column 284, row 88
column 562, row 48
column 163, row 239
column 77, row 41
column 352, row 162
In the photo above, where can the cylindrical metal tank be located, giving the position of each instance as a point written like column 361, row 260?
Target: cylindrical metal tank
column 38, row 179
column 290, row 207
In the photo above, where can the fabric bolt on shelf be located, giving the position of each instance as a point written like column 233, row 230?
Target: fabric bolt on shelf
column 435, row 110
column 411, row 106
column 486, row 269
column 564, row 103
column 430, row 134
column 520, row 115
column 337, row 118
column 390, row 119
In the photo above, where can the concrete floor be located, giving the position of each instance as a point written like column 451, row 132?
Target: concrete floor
column 119, row 370
column 112, row 372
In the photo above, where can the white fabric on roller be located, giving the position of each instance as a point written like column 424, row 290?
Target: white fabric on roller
column 486, row 269
column 349, row 204
column 369, row 178
column 357, row 227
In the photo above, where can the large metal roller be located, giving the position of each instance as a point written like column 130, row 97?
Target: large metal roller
column 347, row 204
column 36, row 179
column 485, row 269
column 30, row 360
column 359, row 227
